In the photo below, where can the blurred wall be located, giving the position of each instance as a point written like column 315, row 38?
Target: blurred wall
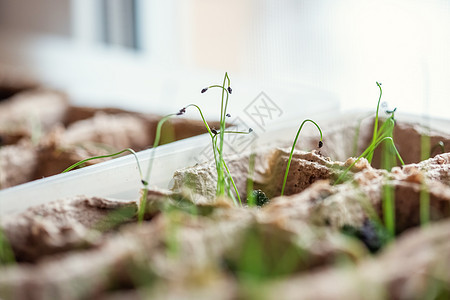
column 340, row 46
column 45, row 16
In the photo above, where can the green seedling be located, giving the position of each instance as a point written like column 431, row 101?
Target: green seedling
column 425, row 142
column 375, row 125
column 424, row 198
column 146, row 180
column 388, row 161
column 380, row 135
column 225, row 182
column 218, row 150
column 251, row 197
column 292, row 151
column 82, row 162
column 388, row 197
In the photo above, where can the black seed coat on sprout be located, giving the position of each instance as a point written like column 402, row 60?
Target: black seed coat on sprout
column 389, row 112
column 250, row 130
column 214, row 131
column 320, row 144
column 228, row 115
column 204, row 90
column 182, row 111
column 230, row 90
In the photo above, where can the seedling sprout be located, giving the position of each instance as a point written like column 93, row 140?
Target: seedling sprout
column 224, row 179
column 292, row 150
column 82, row 162
column 380, row 135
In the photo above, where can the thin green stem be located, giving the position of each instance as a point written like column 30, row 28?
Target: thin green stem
column 375, row 126
column 145, row 182
column 232, row 182
column 203, row 118
column 230, row 177
column 156, row 144
column 221, row 177
column 389, row 208
column 224, row 178
column 251, row 201
column 292, row 151
column 106, row 156
column 424, row 204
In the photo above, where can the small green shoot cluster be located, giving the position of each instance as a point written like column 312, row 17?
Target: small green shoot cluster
column 82, row 162
column 225, row 182
column 380, row 135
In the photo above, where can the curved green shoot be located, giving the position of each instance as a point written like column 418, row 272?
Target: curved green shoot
column 375, row 126
column 156, row 144
column 203, row 118
column 106, row 156
column 384, row 133
column 144, row 180
column 292, row 151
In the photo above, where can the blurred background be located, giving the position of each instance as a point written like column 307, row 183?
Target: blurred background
column 306, row 56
